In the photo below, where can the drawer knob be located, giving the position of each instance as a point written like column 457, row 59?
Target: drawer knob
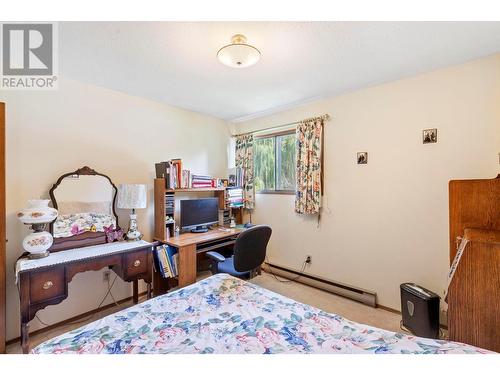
column 48, row 284
column 137, row 263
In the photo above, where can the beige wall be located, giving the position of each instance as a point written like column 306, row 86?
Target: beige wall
column 50, row 133
column 386, row 222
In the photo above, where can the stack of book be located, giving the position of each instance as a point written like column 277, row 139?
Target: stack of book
column 201, row 181
column 166, row 259
column 235, row 197
column 169, row 208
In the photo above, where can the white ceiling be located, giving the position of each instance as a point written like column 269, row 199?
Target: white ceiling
column 175, row 62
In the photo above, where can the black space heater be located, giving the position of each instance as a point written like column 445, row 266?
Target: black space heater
column 420, row 310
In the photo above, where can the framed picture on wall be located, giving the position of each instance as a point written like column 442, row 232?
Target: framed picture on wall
column 362, row 157
column 430, row 136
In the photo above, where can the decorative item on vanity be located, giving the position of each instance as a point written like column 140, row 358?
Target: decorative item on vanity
column 38, row 215
column 132, row 196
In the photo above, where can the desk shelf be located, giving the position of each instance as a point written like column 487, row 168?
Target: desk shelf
column 193, row 190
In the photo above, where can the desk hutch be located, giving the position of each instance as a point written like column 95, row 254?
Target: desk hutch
column 189, row 245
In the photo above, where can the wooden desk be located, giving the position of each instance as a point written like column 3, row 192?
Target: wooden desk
column 47, row 284
column 188, row 245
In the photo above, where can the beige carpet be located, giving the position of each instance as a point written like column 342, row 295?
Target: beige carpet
column 323, row 300
column 330, row 302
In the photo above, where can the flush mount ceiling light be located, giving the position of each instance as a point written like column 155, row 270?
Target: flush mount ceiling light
column 238, row 54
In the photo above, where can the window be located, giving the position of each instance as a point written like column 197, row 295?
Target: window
column 274, row 163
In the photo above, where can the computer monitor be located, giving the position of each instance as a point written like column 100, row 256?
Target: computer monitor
column 196, row 214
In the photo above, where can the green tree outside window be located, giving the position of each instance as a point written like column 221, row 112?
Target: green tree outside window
column 274, row 163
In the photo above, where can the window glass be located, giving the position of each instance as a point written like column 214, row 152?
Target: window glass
column 285, row 171
column 264, row 163
column 274, row 163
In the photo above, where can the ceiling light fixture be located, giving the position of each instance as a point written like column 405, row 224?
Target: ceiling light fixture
column 238, row 54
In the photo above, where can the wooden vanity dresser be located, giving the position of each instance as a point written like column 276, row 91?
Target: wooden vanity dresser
column 44, row 281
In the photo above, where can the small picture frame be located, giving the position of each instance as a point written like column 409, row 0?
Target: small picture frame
column 429, row 136
column 362, row 157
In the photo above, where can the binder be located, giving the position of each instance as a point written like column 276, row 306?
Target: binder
column 170, row 251
column 156, row 261
column 165, row 260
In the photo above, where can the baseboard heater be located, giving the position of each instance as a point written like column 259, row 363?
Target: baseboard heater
column 364, row 296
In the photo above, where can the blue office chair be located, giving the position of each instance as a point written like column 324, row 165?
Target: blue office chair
column 249, row 254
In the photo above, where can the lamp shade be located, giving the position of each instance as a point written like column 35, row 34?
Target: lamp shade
column 38, row 212
column 131, row 196
column 238, row 54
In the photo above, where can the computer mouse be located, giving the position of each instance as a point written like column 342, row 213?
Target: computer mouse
column 248, row 225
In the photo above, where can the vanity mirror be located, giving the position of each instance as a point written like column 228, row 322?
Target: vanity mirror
column 85, row 200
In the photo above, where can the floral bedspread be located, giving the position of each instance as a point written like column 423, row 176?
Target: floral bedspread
column 222, row 314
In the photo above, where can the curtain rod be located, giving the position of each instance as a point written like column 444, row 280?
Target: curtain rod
column 326, row 117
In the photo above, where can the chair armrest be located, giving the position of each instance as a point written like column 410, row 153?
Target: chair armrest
column 215, row 256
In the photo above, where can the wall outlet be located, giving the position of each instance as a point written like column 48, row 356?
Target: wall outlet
column 308, row 259
column 105, row 276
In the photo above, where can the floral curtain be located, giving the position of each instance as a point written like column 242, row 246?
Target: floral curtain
column 308, row 155
column 244, row 160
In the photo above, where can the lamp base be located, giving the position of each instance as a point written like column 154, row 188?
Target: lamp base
column 38, row 243
column 133, row 233
column 38, row 255
column 134, row 239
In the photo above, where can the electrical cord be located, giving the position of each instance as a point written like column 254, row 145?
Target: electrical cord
column 41, row 321
column 287, row 280
column 100, row 304
column 403, row 328
column 111, row 293
column 108, row 292
column 442, row 334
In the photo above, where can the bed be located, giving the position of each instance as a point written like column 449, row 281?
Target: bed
column 223, row 314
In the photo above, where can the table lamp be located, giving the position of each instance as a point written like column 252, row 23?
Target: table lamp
column 37, row 216
column 132, row 197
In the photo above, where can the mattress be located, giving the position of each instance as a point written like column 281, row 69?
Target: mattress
column 223, row 315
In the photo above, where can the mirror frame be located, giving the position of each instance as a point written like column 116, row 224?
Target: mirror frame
column 86, row 238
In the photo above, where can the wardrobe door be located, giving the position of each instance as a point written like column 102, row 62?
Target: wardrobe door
column 2, row 227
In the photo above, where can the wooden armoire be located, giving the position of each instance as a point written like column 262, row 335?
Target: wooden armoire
column 474, row 291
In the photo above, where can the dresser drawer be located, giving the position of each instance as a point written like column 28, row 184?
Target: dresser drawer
column 137, row 263
column 47, row 285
